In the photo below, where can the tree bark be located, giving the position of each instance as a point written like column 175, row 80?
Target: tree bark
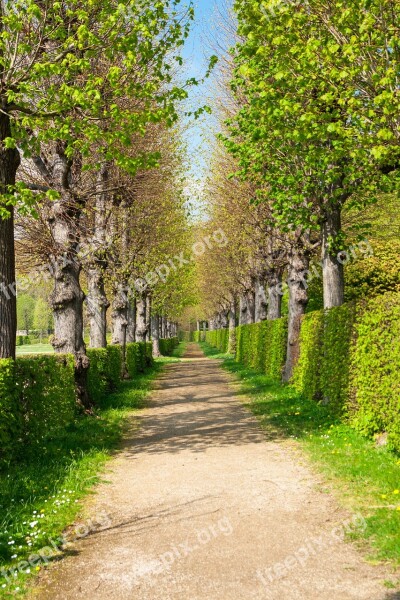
column 131, row 326
column 155, row 335
column 247, row 308
column 97, row 301
column 332, row 270
column 274, row 293
column 251, row 304
column 148, row 317
column 232, row 327
column 67, row 297
column 298, row 298
column 9, row 163
column 97, row 306
column 261, row 305
column 120, row 314
column 141, row 327
column 243, row 310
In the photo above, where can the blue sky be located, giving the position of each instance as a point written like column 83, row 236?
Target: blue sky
column 194, row 54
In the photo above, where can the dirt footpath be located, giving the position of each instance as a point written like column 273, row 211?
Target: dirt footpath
column 202, row 507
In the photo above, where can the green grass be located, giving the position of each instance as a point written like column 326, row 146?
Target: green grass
column 364, row 478
column 35, row 349
column 52, row 479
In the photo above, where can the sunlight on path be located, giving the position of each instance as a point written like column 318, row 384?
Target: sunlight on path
column 202, row 507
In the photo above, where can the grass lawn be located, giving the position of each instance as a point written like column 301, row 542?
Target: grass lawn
column 41, row 493
column 364, row 478
column 35, row 349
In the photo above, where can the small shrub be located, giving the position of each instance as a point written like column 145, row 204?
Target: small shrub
column 218, row 338
column 10, row 411
column 374, row 402
column 167, row 346
column 335, row 356
column 46, row 391
column 104, row 373
column 306, row 374
column 275, row 347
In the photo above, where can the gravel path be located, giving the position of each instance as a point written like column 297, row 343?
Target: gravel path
column 200, row 506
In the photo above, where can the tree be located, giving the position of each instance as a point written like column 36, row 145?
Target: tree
column 25, row 312
column 42, row 316
column 53, row 94
column 309, row 137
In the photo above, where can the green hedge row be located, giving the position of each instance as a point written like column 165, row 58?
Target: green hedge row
column 262, row 346
column 105, row 371
column 38, row 396
column 350, row 359
column 167, row 346
column 139, row 357
column 23, row 340
column 219, row 338
column 37, row 399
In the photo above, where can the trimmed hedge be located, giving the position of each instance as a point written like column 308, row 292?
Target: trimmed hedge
column 275, row 348
column 349, row 359
column 38, row 394
column 260, row 346
column 10, row 410
column 105, row 371
column 306, row 374
column 218, row 338
column 167, row 346
column 196, row 336
column 46, row 390
column 37, row 399
column 139, row 357
column 374, row 399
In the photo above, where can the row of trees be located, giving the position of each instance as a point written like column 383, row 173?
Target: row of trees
column 90, row 161
column 310, row 132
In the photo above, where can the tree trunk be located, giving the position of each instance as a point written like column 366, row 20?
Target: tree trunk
column 97, row 301
column 332, row 270
column 251, row 305
column 243, row 310
column 260, row 302
column 131, row 326
column 274, row 292
column 298, row 298
column 232, row 327
column 9, row 163
column 120, row 314
column 155, row 335
column 148, row 318
column 141, row 328
column 97, row 306
column 67, row 297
